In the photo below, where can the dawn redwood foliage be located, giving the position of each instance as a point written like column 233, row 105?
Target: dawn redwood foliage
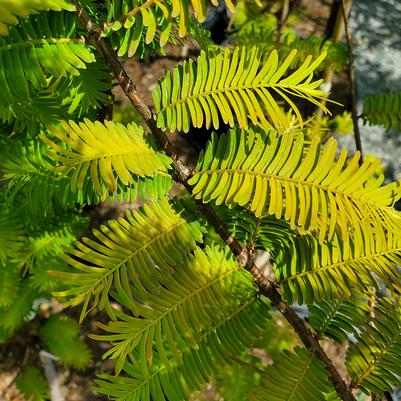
column 177, row 277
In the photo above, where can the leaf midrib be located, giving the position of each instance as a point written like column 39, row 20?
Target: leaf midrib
column 330, row 316
column 202, row 338
column 36, row 42
column 377, row 360
column 139, row 250
column 339, row 264
column 177, row 304
column 298, row 87
column 301, row 378
column 310, row 184
column 133, row 151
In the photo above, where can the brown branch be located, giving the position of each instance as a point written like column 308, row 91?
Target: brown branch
column 182, row 174
column 352, row 82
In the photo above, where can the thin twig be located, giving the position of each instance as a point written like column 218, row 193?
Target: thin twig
column 285, row 11
column 182, row 174
column 352, row 82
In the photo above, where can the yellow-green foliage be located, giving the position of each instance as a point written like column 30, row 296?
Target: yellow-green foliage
column 60, row 334
column 176, row 306
column 234, row 87
column 383, row 109
column 10, row 10
column 31, row 383
column 107, row 151
column 313, row 191
column 151, row 238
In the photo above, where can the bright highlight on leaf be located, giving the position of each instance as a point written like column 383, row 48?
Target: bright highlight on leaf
column 108, row 152
column 134, row 16
column 306, row 186
column 235, row 86
column 11, row 9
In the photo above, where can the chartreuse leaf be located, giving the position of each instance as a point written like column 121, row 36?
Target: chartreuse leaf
column 187, row 299
column 32, row 384
column 126, row 255
column 374, row 362
column 383, row 109
column 10, row 10
column 106, row 152
column 305, row 185
column 308, row 270
column 216, row 316
column 29, row 173
column 132, row 21
column 61, row 335
column 234, row 87
column 296, row 376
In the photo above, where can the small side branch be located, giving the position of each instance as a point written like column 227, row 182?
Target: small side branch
column 182, row 174
column 352, row 81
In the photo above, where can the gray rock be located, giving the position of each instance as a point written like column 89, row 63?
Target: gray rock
column 376, row 30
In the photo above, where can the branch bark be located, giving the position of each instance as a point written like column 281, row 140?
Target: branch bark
column 182, row 174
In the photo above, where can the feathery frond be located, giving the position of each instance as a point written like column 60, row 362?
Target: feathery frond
column 88, row 90
column 383, row 109
column 45, row 244
column 134, row 26
column 14, row 315
column 128, row 251
column 12, row 233
column 44, row 46
column 230, row 335
column 60, row 334
column 203, row 289
column 10, row 10
column 308, row 270
column 265, row 232
column 374, row 362
column 138, row 18
column 31, row 383
column 30, row 174
column 296, row 376
column 106, row 152
column 9, row 285
column 339, row 317
column 234, row 85
column 41, row 252
column 314, row 192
